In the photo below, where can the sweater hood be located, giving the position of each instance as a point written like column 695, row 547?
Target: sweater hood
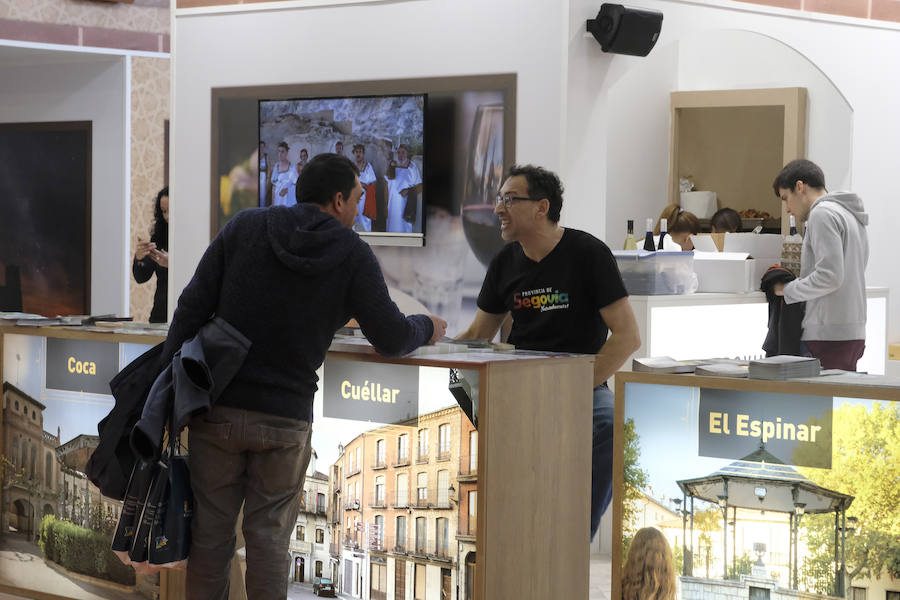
column 308, row 240
column 850, row 201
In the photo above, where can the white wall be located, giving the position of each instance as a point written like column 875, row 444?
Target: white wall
column 418, row 38
column 737, row 59
column 637, row 164
column 857, row 57
column 564, row 112
column 85, row 89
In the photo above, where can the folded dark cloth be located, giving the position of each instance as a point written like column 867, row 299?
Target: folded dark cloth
column 112, row 462
column 198, row 374
column 785, row 320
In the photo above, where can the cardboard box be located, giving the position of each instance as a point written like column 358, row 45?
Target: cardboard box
column 763, row 248
column 727, row 272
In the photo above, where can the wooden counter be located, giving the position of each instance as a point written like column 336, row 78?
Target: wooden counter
column 533, row 485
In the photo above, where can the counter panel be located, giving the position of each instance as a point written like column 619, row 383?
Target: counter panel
column 420, row 498
column 747, row 479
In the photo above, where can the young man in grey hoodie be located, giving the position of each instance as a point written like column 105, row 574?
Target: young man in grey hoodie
column 832, row 278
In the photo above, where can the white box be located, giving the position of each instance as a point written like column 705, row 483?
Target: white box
column 727, row 272
column 701, row 203
column 757, row 245
column 764, row 247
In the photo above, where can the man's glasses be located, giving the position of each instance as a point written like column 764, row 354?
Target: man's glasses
column 506, row 201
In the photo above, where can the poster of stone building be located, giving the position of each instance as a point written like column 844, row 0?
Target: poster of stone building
column 52, row 400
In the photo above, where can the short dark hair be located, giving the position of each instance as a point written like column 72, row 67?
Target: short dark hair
column 283, row 144
column 799, row 170
column 541, row 184
column 324, row 176
column 358, row 147
column 726, row 220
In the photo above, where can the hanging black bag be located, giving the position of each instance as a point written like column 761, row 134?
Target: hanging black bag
column 136, row 492
column 139, row 551
column 170, row 534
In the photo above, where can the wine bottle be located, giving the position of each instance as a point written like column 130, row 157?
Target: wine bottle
column 648, row 239
column 630, row 244
column 663, row 226
column 790, row 249
column 793, row 235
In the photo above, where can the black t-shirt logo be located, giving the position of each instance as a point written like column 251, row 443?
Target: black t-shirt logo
column 542, row 299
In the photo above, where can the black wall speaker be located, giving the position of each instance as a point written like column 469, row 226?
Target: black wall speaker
column 623, row 30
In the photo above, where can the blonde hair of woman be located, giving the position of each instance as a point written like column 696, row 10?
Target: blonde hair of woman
column 649, row 572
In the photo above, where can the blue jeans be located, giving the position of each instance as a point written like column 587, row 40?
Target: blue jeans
column 602, row 455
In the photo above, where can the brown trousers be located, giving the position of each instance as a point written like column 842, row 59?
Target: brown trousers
column 258, row 460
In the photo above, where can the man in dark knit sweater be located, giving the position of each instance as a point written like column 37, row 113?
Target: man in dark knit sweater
column 287, row 278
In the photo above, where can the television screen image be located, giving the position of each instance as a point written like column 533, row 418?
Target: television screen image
column 383, row 135
column 469, row 141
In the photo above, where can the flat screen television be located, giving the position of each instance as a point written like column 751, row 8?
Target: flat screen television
column 384, row 135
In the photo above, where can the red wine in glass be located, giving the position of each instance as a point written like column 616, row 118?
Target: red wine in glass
column 484, row 174
column 482, row 229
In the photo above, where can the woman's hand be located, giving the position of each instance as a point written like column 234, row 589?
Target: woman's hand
column 160, row 257
column 143, row 249
column 283, row 192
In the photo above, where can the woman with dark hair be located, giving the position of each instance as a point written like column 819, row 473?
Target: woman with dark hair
column 153, row 257
column 726, row 220
column 649, row 572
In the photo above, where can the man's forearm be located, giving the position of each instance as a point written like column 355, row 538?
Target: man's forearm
column 612, row 356
column 483, row 327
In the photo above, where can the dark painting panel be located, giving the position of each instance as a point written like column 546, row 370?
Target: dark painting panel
column 45, row 211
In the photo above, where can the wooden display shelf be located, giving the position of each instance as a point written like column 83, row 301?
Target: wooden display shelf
column 735, row 142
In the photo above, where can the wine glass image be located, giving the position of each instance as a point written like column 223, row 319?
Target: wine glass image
column 484, row 174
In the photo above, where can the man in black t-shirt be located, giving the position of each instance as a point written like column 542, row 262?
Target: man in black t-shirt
column 565, row 293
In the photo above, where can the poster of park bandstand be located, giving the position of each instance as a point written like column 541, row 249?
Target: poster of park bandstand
column 771, row 496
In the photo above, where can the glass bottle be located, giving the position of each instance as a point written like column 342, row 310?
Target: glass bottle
column 648, row 239
column 630, row 244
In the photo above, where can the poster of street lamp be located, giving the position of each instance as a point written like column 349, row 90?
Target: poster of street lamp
column 55, row 525
column 764, row 494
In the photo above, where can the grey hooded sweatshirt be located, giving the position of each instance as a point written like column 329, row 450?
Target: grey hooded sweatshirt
column 833, row 269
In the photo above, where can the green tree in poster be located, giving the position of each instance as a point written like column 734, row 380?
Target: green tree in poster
column 635, row 480
column 707, row 521
column 865, row 465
